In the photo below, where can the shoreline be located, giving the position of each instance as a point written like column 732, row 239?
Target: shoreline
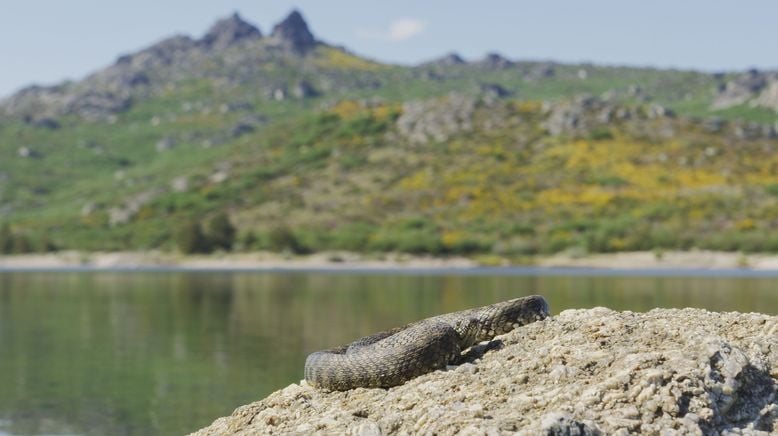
column 637, row 262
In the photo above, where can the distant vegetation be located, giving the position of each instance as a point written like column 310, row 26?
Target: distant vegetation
column 313, row 148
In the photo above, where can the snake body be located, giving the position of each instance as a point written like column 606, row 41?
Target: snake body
column 395, row 356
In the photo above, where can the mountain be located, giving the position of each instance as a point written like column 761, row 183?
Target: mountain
column 297, row 144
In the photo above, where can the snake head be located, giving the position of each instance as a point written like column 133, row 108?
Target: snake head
column 516, row 313
column 535, row 308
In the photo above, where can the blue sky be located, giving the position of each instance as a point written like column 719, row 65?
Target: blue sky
column 46, row 41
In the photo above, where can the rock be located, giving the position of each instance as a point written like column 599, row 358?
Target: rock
column 241, row 129
column 27, row 152
column 293, row 33
column 541, row 71
column 448, row 60
column 163, row 53
column 96, row 105
column 437, row 119
column 278, row 93
column 88, row 209
column 740, row 89
column 43, row 122
column 562, row 424
column 634, row 90
column 493, row 91
column 303, row 89
column 659, row 111
column 123, row 214
column 236, row 106
column 582, row 372
column 769, row 97
column 166, row 143
column 714, row 125
column 180, row 184
column 494, row 61
column 228, row 32
column 247, row 125
column 747, row 131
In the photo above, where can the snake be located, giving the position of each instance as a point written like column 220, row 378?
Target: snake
column 392, row 357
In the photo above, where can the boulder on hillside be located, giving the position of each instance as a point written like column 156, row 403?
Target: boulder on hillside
column 451, row 59
column 495, row 61
column 165, row 52
column 304, row 89
column 97, row 105
column 436, row 119
column 741, row 89
column 229, row 31
column 541, row 71
column 492, row 91
column 769, row 96
column 293, row 33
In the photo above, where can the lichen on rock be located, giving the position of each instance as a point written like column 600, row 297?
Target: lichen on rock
column 583, row 372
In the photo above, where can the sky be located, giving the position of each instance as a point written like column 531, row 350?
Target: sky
column 47, row 41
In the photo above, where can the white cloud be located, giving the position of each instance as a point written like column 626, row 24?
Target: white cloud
column 398, row 30
column 405, row 28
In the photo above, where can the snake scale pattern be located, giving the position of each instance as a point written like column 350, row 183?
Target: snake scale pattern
column 395, row 356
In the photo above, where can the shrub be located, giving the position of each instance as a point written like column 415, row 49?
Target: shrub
column 6, row 239
column 600, row 134
column 772, row 189
column 220, row 232
column 354, row 237
column 407, row 241
column 282, row 238
column 21, row 244
column 249, row 240
column 190, row 238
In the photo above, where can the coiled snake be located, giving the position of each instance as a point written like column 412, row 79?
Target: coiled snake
column 395, row 356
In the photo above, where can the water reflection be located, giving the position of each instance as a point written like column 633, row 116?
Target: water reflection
column 166, row 353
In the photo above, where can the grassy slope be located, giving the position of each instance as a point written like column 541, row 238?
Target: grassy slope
column 335, row 179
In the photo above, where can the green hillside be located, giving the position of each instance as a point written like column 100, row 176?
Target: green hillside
column 292, row 144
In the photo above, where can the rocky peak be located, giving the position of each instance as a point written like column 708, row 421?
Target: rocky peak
column 293, row 32
column 495, row 61
column 448, row 60
column 229, row 31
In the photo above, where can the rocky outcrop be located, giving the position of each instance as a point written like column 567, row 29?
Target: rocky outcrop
column 583, row 372
column 494, row 61
column 448, row 60
column 165, row 52
column 160, row 67
column 293, row 33
column 755, row 87
column 769, row 96
column 582, row 114
column 436, row 119
column 229, row 31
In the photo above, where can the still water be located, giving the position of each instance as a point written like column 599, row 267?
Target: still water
column 168, row 352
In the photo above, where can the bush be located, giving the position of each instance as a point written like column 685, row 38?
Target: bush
column 249, row 241
column 772, row 189
column 282, row 238
column 354, row 237
column 21, row 244
column 220, row 232
column 190, row 238
column 600, row 134
column 6, row 239
column 415, row 242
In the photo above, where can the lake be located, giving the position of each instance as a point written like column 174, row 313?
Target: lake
column 168, row 352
